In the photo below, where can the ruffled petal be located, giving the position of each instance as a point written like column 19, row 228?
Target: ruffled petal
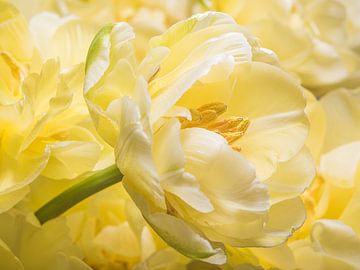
column 274, row 103
column 292, row 177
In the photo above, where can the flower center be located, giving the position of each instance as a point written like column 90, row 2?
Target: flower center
column 209, row 116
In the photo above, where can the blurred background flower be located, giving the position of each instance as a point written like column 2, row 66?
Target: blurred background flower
column 317, row 40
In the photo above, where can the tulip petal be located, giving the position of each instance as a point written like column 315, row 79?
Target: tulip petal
column 280, row 226
column 340, row 165
column 275, row 107
column 8, row 259
column 14, row 34
column 292, row 177
column 342, row 108
column 170, row 163
column 183, row 237
column 336, row 240
column 214, row 58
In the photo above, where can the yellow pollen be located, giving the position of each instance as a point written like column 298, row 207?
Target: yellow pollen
column 209, row 116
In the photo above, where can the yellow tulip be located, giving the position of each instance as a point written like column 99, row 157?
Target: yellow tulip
column 148, row 17
column 330, row 237
column 317, row 40
column 208, row 136
column 333, row 245
column 111, row 231
column 24, row 244
column 45, row 125
column 65, row 38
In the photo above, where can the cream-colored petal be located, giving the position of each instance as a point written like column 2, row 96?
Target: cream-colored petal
column 134, row 159
column 328, row 20
column 40, row 88
column 69, row 159
column 323, row 66
column 339, row 166
column 150, row 65
column 71, row 41
column 336, row 240
column 284, row 218
column 342, row 108
column 214, row 58
column 185, row 239
column 167, row 257
column 281, row 256
column 209, row 158
column 351, row 214
column 318, row 125
column 263, row 90
column 248, row 11
column 292, row 177
column 67, row 38
column 39, row 247
column 120, row 240
column 239, row 200
column 291, row 46
column 192, row 25
column 47, row 95
column 14, row 34
column 13, row 184
column 112, row 36
column 110, row 75
column 170, row 162
column 43, row 26
column 274, row 139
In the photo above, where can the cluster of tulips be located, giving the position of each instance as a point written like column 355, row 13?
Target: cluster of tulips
column 180, row 135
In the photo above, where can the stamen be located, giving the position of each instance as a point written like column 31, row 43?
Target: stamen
column 218, row 107
column 208, row 116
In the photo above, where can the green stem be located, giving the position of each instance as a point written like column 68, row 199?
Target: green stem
column 78, row 192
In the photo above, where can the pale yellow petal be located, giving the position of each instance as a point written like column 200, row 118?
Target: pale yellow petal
column 274, row 103
column 134, row 159
column 351, row 214
column 214, row 58
column 280, row 226
column 120, row 240
column 339, row 166
column 69, row 159
column 110, row 75
column 42, row 248
column 14, row 34
column 9, row 199
column 342, row 108
column 323, row 66
column 220, row 161
column 182, row 237
column 170, row 163
column 328, row 18
column 292, row 177
column 281, row 256
column 192, row 25
column 336, row 240
column 239, row 200
column 14, row 181
column 8, row 260
column 292, row 47
column 318, row 125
